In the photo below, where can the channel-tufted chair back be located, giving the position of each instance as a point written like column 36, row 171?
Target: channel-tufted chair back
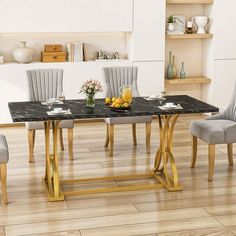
column 230, row 111
column 44, row 83
column 115, row 77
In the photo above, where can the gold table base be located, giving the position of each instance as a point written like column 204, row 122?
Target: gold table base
column 164, row 171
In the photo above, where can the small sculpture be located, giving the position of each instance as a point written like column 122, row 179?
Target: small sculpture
column 189, row 27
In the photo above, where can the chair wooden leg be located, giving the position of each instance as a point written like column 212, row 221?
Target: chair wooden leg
column 31, row 138
column 70, row 143
column 3, row 173
column 194, row 151
column 230, row 153
column 34, row 132
column 107, row 137
column 111, row 139
column 61, row 139
column 134, row 134
column 211, row 160
column 148, row 138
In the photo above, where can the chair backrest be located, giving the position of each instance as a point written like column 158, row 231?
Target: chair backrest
column 115, row 77
column 44, row 83
column 230, row 112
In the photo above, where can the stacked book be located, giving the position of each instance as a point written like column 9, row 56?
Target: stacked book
column 75, row 51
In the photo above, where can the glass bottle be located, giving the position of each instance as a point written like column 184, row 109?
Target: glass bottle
column 182, row 71
column 174, row 69
column 170, row 68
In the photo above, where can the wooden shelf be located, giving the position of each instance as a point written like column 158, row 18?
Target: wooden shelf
column 189, row 80
column 189, row 1
column 189, row 36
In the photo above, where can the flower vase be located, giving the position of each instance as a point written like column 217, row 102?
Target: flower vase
column 182, row 71
column 174, row 69
column 170, row 68
column 90, row 100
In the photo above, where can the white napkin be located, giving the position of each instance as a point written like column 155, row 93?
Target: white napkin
column 64, row 112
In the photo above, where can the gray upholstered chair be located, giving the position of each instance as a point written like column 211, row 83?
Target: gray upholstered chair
column 44, row 84
column 217, row 129
column 115, row 77
column 4, row 157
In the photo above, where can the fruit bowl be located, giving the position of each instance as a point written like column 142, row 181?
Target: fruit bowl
column 117, row 103
column 120, row 108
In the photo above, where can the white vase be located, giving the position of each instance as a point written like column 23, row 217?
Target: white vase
column 171, row 27
column 23, row 54
column 201, row 23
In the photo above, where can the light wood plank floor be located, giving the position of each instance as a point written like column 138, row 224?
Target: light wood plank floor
column 202, row 208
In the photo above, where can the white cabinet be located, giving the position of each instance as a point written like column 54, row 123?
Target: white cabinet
column 148, row 36
column 224, row 29
column 66, row 15
column 33, row 16
column 100, row 15
column 150, row 77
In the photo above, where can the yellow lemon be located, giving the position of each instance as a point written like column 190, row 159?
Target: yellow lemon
column 117, row 105
column 113, row 99
column 126, row 104
column 107, row 100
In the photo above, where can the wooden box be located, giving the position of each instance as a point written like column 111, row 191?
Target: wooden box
column 53, row 57
column 53, row 48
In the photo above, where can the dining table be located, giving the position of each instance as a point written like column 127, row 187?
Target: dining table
column 164, row 170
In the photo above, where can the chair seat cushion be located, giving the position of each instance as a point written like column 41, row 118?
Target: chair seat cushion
column 4, row 154
column 38, row 125
column 128, row 120
column 211, row 131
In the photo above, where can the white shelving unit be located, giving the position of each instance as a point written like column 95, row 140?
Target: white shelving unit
column 192, row 49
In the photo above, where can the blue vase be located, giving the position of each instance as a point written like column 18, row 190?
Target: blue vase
column 170, row 74
column 182, row 71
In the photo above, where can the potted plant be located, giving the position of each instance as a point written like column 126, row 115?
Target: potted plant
column 171, row 21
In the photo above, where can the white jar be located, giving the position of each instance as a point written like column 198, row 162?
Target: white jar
column 23, row 54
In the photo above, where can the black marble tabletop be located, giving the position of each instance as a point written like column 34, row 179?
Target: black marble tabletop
column 35, row 111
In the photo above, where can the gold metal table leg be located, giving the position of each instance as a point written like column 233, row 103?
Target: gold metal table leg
column 165, row 170
column 51, row 180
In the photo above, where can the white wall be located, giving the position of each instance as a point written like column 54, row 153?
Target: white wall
column 222, row 54
column 148, row 37
column 66, row 16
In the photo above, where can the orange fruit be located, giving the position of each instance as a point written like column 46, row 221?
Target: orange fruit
column 119, row 101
